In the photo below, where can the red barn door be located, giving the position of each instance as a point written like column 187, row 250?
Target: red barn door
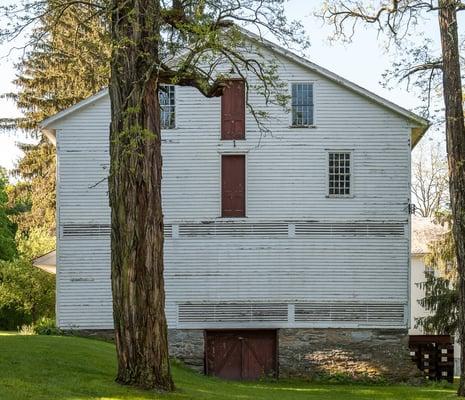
column 245, row 355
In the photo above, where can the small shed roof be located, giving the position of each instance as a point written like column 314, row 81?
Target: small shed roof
column 424, row 231
column 47, row 262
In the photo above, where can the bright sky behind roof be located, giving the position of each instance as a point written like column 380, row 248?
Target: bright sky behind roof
column 362, row 62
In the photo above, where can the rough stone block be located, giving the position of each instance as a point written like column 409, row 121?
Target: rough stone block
column 353, row 353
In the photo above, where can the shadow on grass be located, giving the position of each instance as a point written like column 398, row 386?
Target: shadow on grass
column 72, row 368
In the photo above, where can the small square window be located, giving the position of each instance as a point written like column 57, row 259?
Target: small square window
column 167, row 106
column 339, row 174
column 302, row 104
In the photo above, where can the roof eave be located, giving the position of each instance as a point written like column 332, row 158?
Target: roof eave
column 422, row 122
column 418, row 133
column 46, row 123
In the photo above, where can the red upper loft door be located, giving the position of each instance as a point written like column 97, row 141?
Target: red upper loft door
column 233, row 111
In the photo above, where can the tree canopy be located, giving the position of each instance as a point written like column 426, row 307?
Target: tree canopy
column 32, row 198
column 67, row 61
column 194, row 43
column 441, row 294
column 7, row 228
column 396, row 19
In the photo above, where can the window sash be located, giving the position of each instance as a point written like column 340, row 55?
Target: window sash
column 339, row 174
column 167, row 106
column 302, row 104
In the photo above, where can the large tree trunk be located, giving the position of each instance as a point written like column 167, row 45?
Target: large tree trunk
column 455, row 136
column 135, row 198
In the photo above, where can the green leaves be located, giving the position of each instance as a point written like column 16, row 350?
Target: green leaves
column 32, row 198
column 67, row 61
column 441, row 292
column 441, row 300
column 7, row 228
column 26, row 294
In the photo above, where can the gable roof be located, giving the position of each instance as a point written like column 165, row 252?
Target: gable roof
column 423, row 124
column 92, row 99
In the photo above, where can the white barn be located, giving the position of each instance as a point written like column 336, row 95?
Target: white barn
column 281, row 251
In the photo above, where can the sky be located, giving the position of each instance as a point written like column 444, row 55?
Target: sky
column 362, row 62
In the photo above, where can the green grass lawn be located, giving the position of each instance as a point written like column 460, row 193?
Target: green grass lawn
column 70, row 368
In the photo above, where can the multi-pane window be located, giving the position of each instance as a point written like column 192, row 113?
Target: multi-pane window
column 167, row 106
column 339, row 173
column 302, row 104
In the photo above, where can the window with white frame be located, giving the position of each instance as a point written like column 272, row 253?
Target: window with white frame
column 167, row 106
column 302, row 104
column 339, row 173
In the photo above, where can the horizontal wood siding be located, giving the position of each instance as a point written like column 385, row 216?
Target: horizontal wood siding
column 286, row 186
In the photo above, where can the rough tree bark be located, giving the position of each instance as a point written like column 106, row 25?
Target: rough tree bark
column 135, row 198
column 455, row 137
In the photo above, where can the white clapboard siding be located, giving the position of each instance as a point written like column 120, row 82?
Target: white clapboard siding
column 290, row 257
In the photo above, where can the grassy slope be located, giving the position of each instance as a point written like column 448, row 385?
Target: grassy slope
column 68, row 368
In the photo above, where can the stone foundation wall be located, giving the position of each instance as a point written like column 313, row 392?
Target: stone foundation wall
column 310, row 353
column 187, row 345
column 353, row 353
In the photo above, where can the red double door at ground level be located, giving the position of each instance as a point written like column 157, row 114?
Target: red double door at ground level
column 246, row 354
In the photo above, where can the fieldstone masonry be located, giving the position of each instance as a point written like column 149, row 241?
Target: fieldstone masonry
column 187, row 345
column 354, row 353
column 310, row 353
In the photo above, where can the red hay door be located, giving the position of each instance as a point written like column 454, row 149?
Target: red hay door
column 233, row 111
column 247, row 355
column 233, row 186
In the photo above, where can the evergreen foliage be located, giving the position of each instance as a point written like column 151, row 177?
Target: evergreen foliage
column 441, row 292
column 68, row 62
column 7, row 228
column 32, row 199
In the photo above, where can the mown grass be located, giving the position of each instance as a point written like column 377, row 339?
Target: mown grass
column 72, row 368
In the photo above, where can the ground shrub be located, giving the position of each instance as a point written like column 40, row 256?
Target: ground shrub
column 26, row 294
column 46, row 326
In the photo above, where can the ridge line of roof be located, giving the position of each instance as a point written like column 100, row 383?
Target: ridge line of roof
column 424, row 123
column 335, row 77
column 63, row 113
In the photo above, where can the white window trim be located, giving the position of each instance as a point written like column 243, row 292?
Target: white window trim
column 220, row 210
column 175, row 108
column 315, row 91
column 351, row 188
